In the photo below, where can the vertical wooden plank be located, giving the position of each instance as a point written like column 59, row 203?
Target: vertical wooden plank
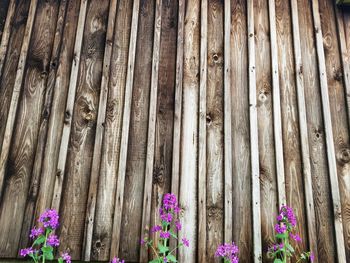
column 214, row 163
column 267, row 155
column 332, row 166
column 189, row 133
column 228, row 219
column 318, row 158
column 102, row 232
column 26, row 129
column 304, row 139
column 5, row 35
column 202, row 136
column 62, row 156
column 152, row 113
column 4, row 8
column 339, row 126
column 242, row 184
column 342, row 18
column 136, row 159
column 290, row 126
column 254, row 141
column 165, row 109
column 55, row 112
column 175, row 181
column 11, row 61
column 43, row 128
column 276, row 99
column 8, row 131
column 119, row 196
column 101, row 117
column 81, row 141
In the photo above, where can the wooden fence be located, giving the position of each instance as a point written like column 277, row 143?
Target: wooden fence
column 235, row 106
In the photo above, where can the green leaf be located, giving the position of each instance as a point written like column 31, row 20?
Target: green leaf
column 40, row 240
column 277, row 260
column 60, row 260
column 47, row 252
column 290, row 248
column 281, row 236
column 171, row 258
column 162, row 249
column 154, row 261
column 172, row 234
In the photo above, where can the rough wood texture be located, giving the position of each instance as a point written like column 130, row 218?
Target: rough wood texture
column 117, row 102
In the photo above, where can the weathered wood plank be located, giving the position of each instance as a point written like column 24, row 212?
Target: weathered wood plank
column 332, row 163
column 119, row 196
column 55, row 112
column 276, row 100
column 267, row 155
column 254, row 138
column 202, row 136
column 304, row 139
column 165, row 109
column 152, row 114
column 43, row 128
column 5, row 32
column 10, row 121
column 241, row 164
column 189, row 132
column 136, row 159
column 228, row 202
column 214, row 164
column 38, row 45
column 101, row 240
column 62, row 156
column 320, row 183
column 290, row 124
column 101, row 118
column 4, row 10
column 81, row 141
column 339, row 125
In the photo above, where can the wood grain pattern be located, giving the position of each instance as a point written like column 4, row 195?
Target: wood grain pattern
column 26, row 128
column 241, row 164
column 136, row 159
column 267, row 155
column 226, row 103
column 102, row 235
column 215, row 130
column 189, row 132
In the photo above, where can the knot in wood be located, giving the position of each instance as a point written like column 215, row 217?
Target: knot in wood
column 67, row 117
column 344, row 155
column 338, row 75
column 158, row 175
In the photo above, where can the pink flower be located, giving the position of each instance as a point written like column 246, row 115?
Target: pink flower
column 178, row 225
column 26, row 251
column 312, row 257
column 49, row 218
column 164, row 235
column 66, row 257
column 296, row 237
column 35, row 232
column 53, row 240
column 186, row 242
column 117, row 260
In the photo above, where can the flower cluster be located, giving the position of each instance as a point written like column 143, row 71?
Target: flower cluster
column 117, row 260
column 167, row 229
column 44, row 239
column 229, row 252
column 283, row 250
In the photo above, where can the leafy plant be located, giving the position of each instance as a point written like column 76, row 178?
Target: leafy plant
column 283, row 250
column 166, row 230
column 229, row 252
column 44, row 239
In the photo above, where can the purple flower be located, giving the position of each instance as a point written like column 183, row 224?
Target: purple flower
column 26, row 251
column 164, row 234
column 117, row 260
column 228, row 251
column 296, row 237
column 312, row 257
column 169, row 201
column 177, row 209
column 279, row 217
column 280, row 228
column 49, row 218
column 53, row 240
column 66, row 257
column 156, row 228
column 288, row 213
column 165, row 259
column 35, row 232
column 178, row 225
column 167, row 217
column 186, row 242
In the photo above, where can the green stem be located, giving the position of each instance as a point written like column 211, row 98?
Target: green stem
column 46, row 234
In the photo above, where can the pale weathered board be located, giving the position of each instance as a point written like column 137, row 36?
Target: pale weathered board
column 236, row 106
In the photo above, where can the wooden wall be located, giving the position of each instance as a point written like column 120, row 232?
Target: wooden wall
column 235, row 106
